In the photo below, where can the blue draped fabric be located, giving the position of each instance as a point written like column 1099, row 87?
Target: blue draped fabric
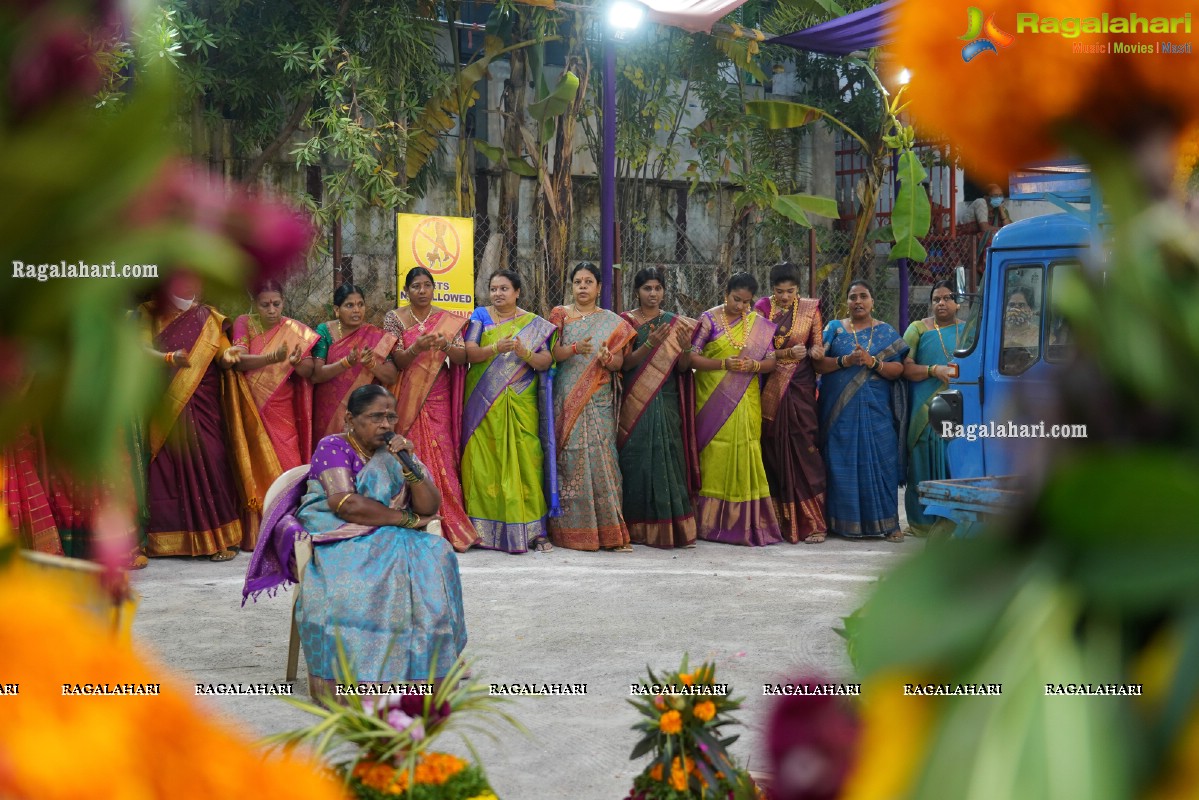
column 391, row 596
column 862, row 425
column 861, row 30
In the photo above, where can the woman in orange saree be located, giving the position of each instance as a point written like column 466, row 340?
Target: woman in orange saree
column 588, row 347
column 349, row 353
column 431, row 359
column 276, row 359
column 210, row 459
column 656, row 430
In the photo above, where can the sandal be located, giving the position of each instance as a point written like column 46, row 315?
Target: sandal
column 138, row 561
column 895, row 537
column 223, row 555
column 624, row 548
column 542, row 545
column 815, row 538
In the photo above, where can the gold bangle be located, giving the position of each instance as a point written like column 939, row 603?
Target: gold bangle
column 342, row 502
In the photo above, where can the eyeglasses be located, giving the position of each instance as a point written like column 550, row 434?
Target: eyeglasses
column 375, row 419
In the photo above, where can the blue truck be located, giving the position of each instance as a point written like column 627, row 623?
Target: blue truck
column 1013, row 340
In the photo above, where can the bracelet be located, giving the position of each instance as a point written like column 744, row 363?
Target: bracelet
column 345, row 362
column 757, row 366
column 874, row 366
column 724, row 364
column 410, row 518
column 496, row 349
column 930, row 371
column 413, row 477
column 169, row 358
column 342, row 502
column 574, row 348
column 840, row 362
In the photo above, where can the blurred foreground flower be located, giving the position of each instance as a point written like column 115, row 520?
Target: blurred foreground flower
column 1005, row 109
column 55, row 746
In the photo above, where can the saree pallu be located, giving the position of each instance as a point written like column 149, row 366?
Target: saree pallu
column 25, row 497
column 658, row 463
column 390, row 597
column 734, row 504
column 329, row 398
column 430, row 396
column 508, row 443
column 863, row 421
column 210, row 459
column 585, row 414
column 283, row 398
column 928, row 458
column 791, row 426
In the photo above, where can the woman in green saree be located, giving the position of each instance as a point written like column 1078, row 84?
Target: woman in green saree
column 732, row 345
column 656, row 430
column 928, row 368
column 507, row 425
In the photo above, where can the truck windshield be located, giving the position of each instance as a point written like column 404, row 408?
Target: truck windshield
column 1023, row 310
column 1059, row 340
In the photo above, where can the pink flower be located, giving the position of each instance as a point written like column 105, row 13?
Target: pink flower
column 398, row 719
column 54, row 63
column 275, row 236
column 417, row 730
column 811, row 741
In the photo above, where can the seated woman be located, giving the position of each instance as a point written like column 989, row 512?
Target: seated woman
column 388, row 592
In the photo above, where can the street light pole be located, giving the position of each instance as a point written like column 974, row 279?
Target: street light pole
column 607, row 169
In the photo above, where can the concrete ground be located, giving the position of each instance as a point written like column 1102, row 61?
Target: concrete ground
column 763, row 614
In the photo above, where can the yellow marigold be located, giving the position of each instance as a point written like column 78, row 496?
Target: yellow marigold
column 678, row 776
column 121, row 747
column 670, row 722
column 1005, row 108
column 704, row 710
column 686, row 678
column 881, row 769
column 655, row 771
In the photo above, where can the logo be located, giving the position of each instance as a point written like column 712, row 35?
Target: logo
column 982, row 36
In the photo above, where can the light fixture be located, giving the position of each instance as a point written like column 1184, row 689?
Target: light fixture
column 625, row 16
column 905, row 76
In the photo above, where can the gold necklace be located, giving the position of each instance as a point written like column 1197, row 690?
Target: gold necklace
column 870, row 342
column 780, row 335
column 726, row 327
column 944, row 349
column 361, row 451
column 340, row 335
column 575, row 306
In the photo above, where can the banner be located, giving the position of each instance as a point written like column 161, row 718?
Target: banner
column 446, row 247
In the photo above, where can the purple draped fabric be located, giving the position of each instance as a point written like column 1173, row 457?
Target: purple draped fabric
column 271, row 565
column 861, row 30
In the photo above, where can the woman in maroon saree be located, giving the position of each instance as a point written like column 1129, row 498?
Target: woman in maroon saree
column 210, row 459
column 349, row 353
column 23, row 494
column 277, row 361
column 790, row 424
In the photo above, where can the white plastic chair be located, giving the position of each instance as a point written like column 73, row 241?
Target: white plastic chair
column 303, row 554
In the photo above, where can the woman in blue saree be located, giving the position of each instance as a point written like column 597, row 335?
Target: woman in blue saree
column 863, row 420
column 387, row 592
column 931, row 342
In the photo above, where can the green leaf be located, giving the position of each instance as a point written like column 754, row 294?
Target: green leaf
column 882, row 234
column 643, row 747
column 521, row 167
column 555, row 104
column 911, row 215
column 490, row 151
column 780, row 114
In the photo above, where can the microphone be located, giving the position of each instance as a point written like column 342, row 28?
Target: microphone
column 404, row 456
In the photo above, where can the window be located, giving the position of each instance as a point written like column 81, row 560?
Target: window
column 1059, row 339
column 1022, row 319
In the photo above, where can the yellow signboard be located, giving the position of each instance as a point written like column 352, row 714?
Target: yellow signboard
column 446, row 247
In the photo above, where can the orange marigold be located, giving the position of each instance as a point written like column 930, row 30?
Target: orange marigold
column 1006, row 108
column 678, row 775
column 670, row 722
column 655, row 771
column 686, row 678
column 437, row 768
column 704, row 710
column 132, row 746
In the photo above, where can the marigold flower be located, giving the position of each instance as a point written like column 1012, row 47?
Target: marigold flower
column 678, row 776
column 130, row 747
column 686, row 678
column 655, row 771
column 670, row 722
column 704, row 710
column 1007, row 108
column 879, row 771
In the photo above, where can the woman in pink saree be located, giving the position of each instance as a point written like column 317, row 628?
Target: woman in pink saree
column 430, row 357
column 277, row 360
column 349, row 353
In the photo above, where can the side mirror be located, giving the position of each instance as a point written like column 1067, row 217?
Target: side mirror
column 945, row 414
